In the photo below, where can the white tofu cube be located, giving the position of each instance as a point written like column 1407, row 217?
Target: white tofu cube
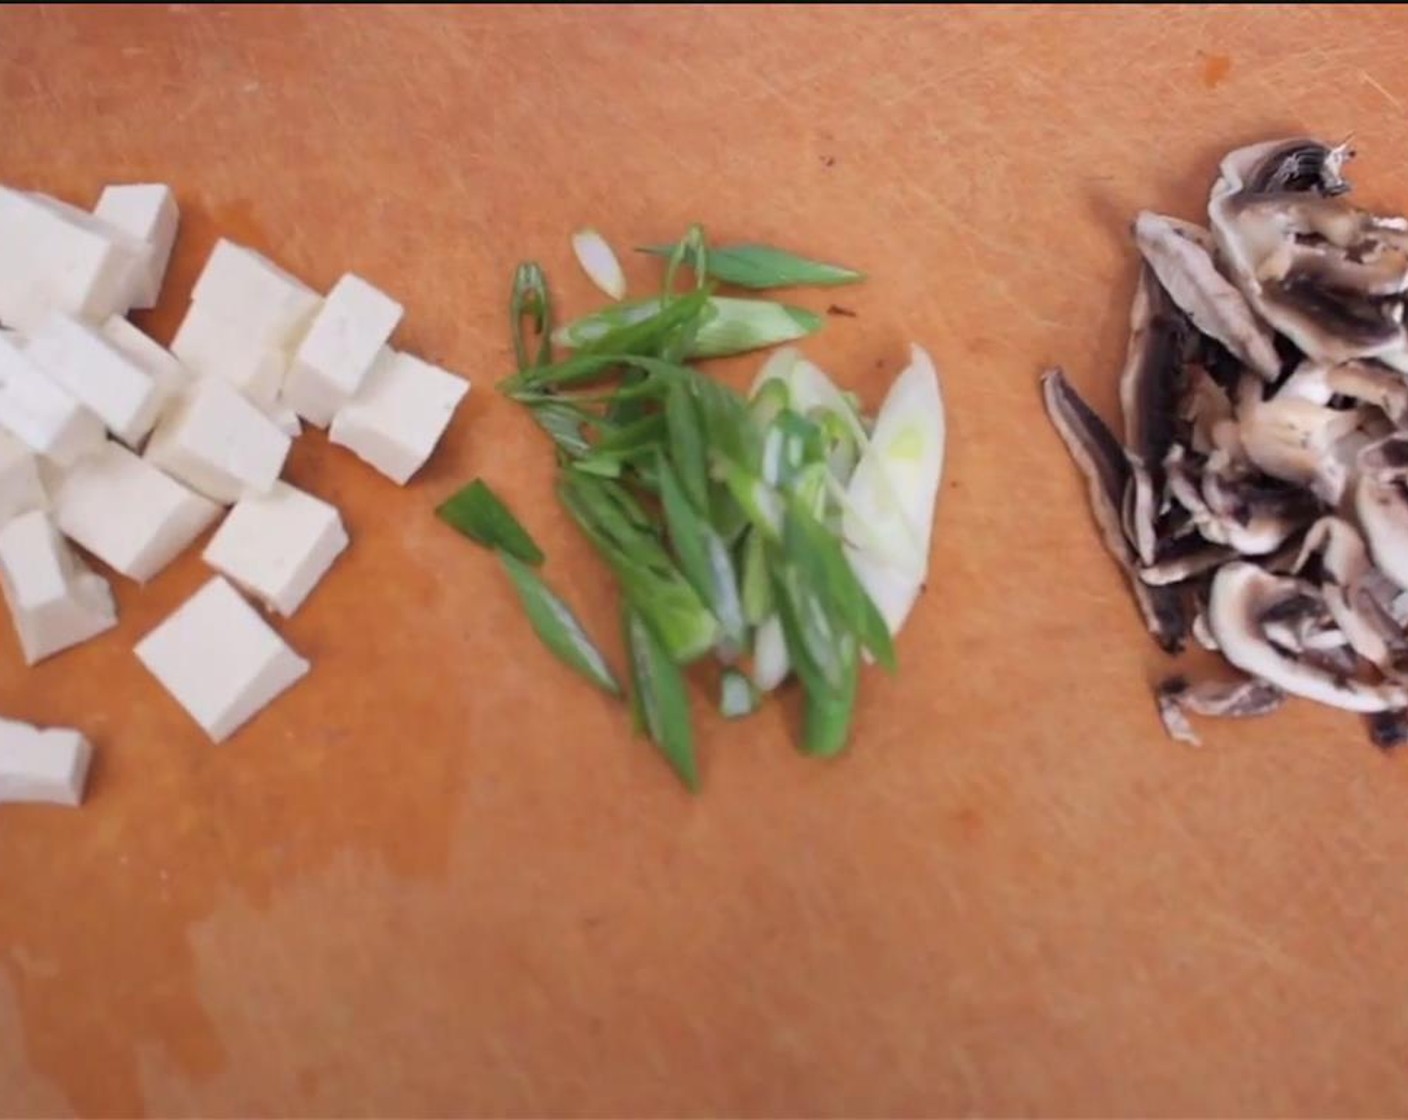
column 20, row 487
column 278, row 546
column 44, row 416
column 285, row 419
column 128, row 514
column 56, row 257
column 148, row 212
column 163, row 367
column 212, row 346
column 340, row 348
column 42, row 766
column 219, row 659
column 399, row 415
column 218, row 443
column 55, row 601
column 97, row 375
column 245, row 288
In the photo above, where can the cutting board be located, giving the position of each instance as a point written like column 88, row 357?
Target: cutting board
column 441, row 876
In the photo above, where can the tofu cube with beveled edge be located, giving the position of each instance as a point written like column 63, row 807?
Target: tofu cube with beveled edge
column 55, row 257
column 399, row 415
column 245, row 288
column 219, row 660
column 130, row 515
column 20, row 487
column 55, row 601
column 219, row 444
column 41, row 414
column 340, row 348
column 278, row 546
column 96, row 374
column 210, row 345
column 163, row 367
column 37, row 766
column 148, row 212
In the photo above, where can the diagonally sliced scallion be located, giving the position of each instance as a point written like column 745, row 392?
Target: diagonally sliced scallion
column 557, row 626
column 761, row 266
column 478, row 513
column 705, row 561
column 530, row 300
column 658, row 689
column 722, row 325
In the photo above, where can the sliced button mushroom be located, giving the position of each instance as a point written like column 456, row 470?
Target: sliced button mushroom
column 1388, row 730
column 1235, row 699
column 1100, row 459
column 1260, row 499
column 1293, row 440
column 1381, row 505
column 1192, row 556
column 1372, row 384
column 1139, row 512
column 1150, row 389
column 1242, row 594
column 1295, row 164
column 1250, row 512
column 1302, row 624
column 1181, row 256
column 1202, row 632
column 1208, row 412
column 1314, row 267
column 1369, row 383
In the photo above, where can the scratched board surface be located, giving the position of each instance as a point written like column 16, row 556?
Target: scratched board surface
column 439, row 876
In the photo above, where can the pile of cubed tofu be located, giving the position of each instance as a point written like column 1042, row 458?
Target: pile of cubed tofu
column 115, row 447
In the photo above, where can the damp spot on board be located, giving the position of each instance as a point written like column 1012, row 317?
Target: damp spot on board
column 1215, row 69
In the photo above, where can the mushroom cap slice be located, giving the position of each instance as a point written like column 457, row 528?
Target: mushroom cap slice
column 1242, row 594
column 1228, row 699
column 1367, row 382
column 1294, row 164
column 1314, row 267
column 1181, row 256
column 1102, row 462
column 1249, row 511
column 1208, row 412
column 1183, row 561
column 1381, row 505
column 1372, row 384
column 1292, row 439
column 1339, row 548
column 1150, row 388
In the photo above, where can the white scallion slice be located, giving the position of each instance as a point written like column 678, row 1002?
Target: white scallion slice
column 599, row 263
column 892, row 496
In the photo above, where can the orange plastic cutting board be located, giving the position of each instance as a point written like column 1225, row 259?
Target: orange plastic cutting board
column 440, row 876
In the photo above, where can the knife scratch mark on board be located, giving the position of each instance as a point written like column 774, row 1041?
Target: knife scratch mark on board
column 1373, row 82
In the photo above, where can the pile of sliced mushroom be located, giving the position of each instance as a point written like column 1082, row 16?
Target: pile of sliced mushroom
column 1259, row 501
